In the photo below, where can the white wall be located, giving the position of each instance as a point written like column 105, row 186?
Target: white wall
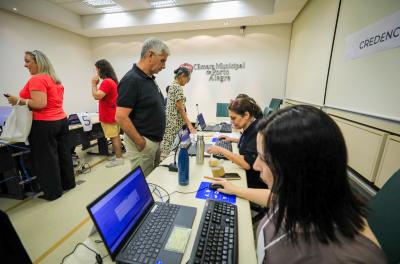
column 264, row 49
column 369, row 84
column 310, row 48
column 69, row 53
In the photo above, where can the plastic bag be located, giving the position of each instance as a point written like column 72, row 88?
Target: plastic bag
column 18, row 125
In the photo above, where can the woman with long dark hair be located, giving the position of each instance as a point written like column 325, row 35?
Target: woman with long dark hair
column 314, row 217
column 107, row 96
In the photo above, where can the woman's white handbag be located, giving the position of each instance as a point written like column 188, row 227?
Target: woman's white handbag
column 18, row 125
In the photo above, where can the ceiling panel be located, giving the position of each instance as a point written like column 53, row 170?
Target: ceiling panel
column 80, row 8
column 75, row 16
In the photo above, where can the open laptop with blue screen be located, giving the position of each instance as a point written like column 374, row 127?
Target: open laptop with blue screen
column 135, row 228
column 223, row 127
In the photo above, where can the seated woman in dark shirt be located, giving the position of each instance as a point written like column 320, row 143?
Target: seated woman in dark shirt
column 244, row 113
column 313, row 217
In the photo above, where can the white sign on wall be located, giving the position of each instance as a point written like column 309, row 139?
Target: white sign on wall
column 383, row 34
column 219, row 72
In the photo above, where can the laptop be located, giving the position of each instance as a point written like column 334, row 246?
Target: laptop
column 73, row 119
column 192, row 150
column 135, row 228
column 203, row 125
column 5, row 111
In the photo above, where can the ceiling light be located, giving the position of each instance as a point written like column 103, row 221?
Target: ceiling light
column 15, row 9
column 100, row 3
column 111, row 9
column 162, row 3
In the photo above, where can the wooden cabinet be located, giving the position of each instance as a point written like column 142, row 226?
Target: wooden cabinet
column 390, row 162
column 364, row 147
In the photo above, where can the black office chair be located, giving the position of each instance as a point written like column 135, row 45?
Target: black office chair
column 273, row 106
column 11, row 248
column 384, row 217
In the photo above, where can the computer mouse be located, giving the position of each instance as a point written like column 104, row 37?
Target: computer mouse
column 215, row 186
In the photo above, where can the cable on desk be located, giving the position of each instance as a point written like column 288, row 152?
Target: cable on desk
column 99, row 259
column 169, row 194
column 158, row 194
column 188, row 192
column 165, row 191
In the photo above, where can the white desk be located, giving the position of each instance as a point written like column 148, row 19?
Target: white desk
column 169, row 181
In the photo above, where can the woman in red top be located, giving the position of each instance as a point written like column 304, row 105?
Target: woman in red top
column 51, row 155
column 107, row 96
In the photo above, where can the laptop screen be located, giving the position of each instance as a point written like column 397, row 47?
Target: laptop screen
column 73, row 119
column 120, row 209
column 202, row 123
column 5, row 111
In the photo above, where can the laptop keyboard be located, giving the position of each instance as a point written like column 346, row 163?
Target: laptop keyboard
column 224, row 144
column 146, row 245
column 215, row 128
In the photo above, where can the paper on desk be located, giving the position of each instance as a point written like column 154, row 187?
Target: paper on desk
column 86, row 121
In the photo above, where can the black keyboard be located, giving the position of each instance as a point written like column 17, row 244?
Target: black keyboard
column 217, row 236
column 224, row 144
column 148, row 242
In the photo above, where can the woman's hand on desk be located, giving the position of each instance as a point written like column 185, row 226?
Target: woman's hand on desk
column 229, row 139
column 229, row 188
column 216, row 150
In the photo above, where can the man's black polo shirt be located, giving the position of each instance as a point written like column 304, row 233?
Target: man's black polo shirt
column 138, row 91
column 248, row 148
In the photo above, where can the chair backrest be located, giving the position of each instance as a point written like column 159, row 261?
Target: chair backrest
column 11, row 248
column 273, row 106
column 222, row 110
column 384, row 217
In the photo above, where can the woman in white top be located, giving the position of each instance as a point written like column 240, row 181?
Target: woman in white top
column 313, row 215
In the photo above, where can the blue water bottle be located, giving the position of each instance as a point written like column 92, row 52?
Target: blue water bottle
column 183, row 166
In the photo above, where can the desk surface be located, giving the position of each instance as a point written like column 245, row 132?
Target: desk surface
column 169, row 181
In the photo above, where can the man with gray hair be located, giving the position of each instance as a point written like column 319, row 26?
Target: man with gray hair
column 140, row 106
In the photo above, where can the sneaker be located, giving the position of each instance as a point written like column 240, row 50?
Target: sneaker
column 116, row 162
column 110, row 158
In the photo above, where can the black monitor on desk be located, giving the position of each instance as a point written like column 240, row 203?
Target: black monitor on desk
column 73, row 119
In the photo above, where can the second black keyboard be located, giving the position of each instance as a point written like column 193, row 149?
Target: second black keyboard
column 224, row 144
column 217, row 236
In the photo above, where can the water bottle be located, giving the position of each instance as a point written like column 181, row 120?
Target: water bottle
column 200, row 149
column 183, row 166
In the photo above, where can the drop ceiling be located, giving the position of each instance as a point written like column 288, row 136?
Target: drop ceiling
column 138, row 17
